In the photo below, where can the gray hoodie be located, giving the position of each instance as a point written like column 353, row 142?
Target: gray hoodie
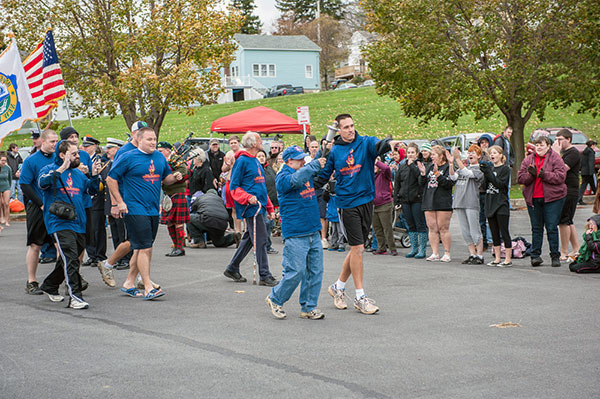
column 466, row 193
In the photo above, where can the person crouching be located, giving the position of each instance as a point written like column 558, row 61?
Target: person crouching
column 300, row 229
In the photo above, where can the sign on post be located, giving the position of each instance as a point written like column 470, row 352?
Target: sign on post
column 303, row 118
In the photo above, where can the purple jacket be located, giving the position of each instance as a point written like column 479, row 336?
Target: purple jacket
column 383, row 179
column 553, row 181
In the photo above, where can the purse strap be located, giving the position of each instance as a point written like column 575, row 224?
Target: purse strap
column 63, row 186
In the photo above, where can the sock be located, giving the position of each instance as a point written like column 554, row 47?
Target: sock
column 172, row 234
column 340, row 285
column 360, row 293
column 480, row 256
column 108, row 265
column 180, row 234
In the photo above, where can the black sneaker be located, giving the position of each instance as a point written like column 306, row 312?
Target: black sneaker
column 235, row 276
column 47, row 260
column 556, row 262
column 89, row 262
column 122, row 265
column 176, row 252
column 468, row 261
column 269, row 282
column 272, row 251
column 537, row 261
column 33, row 288
column 477, row 260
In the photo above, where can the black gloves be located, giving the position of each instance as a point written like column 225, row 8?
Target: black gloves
column 541, row 173
column 532, row 170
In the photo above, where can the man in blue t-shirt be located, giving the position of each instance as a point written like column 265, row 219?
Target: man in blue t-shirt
column 300, row 229
column 37, row 234
column 352, row 157
column 249, row 192
column 140, row 173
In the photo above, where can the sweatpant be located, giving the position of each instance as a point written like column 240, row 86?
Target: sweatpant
column 383, row 218
column 585, row 181
column 468, row 220
column 70, row 244
column 499, row 226
column 246, row 246
column 336, row 237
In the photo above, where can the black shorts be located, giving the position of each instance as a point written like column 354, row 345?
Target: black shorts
column 322, row 205
column 568, row 210
column 356, row 223
column 36, row 229
column 141, row 230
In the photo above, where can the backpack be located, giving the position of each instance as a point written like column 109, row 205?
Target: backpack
column 16, row 206
column 520, row 248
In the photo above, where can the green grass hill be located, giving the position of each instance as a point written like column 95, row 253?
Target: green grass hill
column 373, row 115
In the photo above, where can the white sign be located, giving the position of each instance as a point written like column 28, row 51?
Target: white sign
column 303, row 115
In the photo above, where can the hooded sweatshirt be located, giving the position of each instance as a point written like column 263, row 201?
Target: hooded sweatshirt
column 77, row 186
column 468, row 183
column 247, row 181
column 354, row 165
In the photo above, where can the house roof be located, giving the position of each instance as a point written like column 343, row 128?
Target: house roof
column 275, row 42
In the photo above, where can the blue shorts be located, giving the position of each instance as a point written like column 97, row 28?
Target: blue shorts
column 141, row 230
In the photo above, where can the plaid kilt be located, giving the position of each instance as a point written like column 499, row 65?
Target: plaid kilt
column 179, row 213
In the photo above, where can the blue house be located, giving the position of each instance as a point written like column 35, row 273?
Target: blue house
column 263, row 61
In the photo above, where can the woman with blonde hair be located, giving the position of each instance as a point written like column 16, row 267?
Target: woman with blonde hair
column 437, row 201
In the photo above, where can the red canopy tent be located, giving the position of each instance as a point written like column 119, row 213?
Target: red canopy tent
column 258, row 119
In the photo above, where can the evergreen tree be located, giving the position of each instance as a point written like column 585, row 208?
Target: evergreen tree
column 252, row 23
column 306, row 10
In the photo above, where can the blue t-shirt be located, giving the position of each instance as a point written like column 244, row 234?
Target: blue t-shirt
column 126, row 148
column 31, row 168
column 249, row 174
column 77, row 186
column 297, row 198
column 354, row 165
column 141, row 176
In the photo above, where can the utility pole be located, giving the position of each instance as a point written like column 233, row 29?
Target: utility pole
column 319, row 21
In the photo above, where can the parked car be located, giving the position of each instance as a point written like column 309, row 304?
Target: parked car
column 346, row 86
column 337, row 82
column 464, row 140
column 579, row 139
column 283, row 90
column 203, row 142
column 367, row 83
column 446, row 142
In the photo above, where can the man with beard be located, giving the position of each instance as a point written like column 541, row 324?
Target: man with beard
column 63, row 181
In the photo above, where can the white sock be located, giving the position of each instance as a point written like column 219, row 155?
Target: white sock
column 108, row 265
column 340, row 285
column 360, row 294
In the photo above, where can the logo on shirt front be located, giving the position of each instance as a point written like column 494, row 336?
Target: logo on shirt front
column 351, row 169
column 433, row 181
column 308, row 192
column 151, row 177
column 260, row 178
column 72, row 191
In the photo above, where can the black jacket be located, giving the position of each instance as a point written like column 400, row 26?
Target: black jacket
column 13, row 161
column 211, row 209
column 270, row 175
column 202, row 179
column 215, row 161
column 588, row 158
column 406, row 184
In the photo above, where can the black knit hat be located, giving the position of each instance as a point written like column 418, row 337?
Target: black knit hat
column 67, row 132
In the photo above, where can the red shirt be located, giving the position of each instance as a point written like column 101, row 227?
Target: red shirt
column 538, row 187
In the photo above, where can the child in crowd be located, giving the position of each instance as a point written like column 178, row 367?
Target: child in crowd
column 588, row 260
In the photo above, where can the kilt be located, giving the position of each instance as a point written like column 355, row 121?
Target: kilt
column 179, row 213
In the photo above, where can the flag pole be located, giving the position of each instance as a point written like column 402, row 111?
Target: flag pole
column 67, row 105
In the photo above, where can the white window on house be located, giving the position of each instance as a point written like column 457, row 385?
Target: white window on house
column 308, row 71
column 264, row 70
column 235, row 71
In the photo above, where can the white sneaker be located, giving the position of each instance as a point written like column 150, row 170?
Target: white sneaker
column 106, row 273
column 276, row 310
column 78, row 304
column 325, row 243
column 55, row 298
column 365, row 305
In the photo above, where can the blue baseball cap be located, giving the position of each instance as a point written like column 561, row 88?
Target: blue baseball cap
column 293, row 152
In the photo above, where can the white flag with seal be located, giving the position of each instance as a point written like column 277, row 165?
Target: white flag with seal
column 16, row 104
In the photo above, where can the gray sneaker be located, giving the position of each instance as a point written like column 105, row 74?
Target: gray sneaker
column 75, row 303
column 276, row 310
column 33, row 288
column 339, row 297
column 314, row 314
column 365, row 305
column 106, row 273
column 54, row 297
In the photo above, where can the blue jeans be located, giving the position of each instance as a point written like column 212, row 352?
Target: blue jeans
column 15, row 190
column 415, row 217
column 545, row 214
column 302, row 263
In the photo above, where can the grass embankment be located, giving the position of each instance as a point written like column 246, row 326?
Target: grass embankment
column 374, row 115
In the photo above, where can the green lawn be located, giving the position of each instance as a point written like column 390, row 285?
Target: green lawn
column 373, row 115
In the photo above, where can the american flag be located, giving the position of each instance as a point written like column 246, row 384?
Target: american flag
column 44, row 77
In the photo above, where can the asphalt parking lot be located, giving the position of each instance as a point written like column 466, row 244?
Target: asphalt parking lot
column 211, row 338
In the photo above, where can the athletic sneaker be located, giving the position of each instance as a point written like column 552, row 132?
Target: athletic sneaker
column 477, row 260
column 33, row 288
column 469, row 260
column 493, row 263
column 107, row 274
column 504, row 264
column 314, row 314
column 339, row 297
column 365, row 305
column 75, row 303
column 276, row 310
column 54, row 297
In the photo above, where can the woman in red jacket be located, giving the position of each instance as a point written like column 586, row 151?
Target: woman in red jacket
column 543, row 175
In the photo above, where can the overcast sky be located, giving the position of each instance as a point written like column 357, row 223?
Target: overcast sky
column 266, row 11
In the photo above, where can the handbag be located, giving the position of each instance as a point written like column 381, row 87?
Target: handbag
column 167, row 203
column 62, row 209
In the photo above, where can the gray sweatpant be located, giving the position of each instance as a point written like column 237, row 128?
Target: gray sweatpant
column 468, row 220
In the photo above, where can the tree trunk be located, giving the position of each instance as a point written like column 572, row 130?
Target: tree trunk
column 517, row 140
